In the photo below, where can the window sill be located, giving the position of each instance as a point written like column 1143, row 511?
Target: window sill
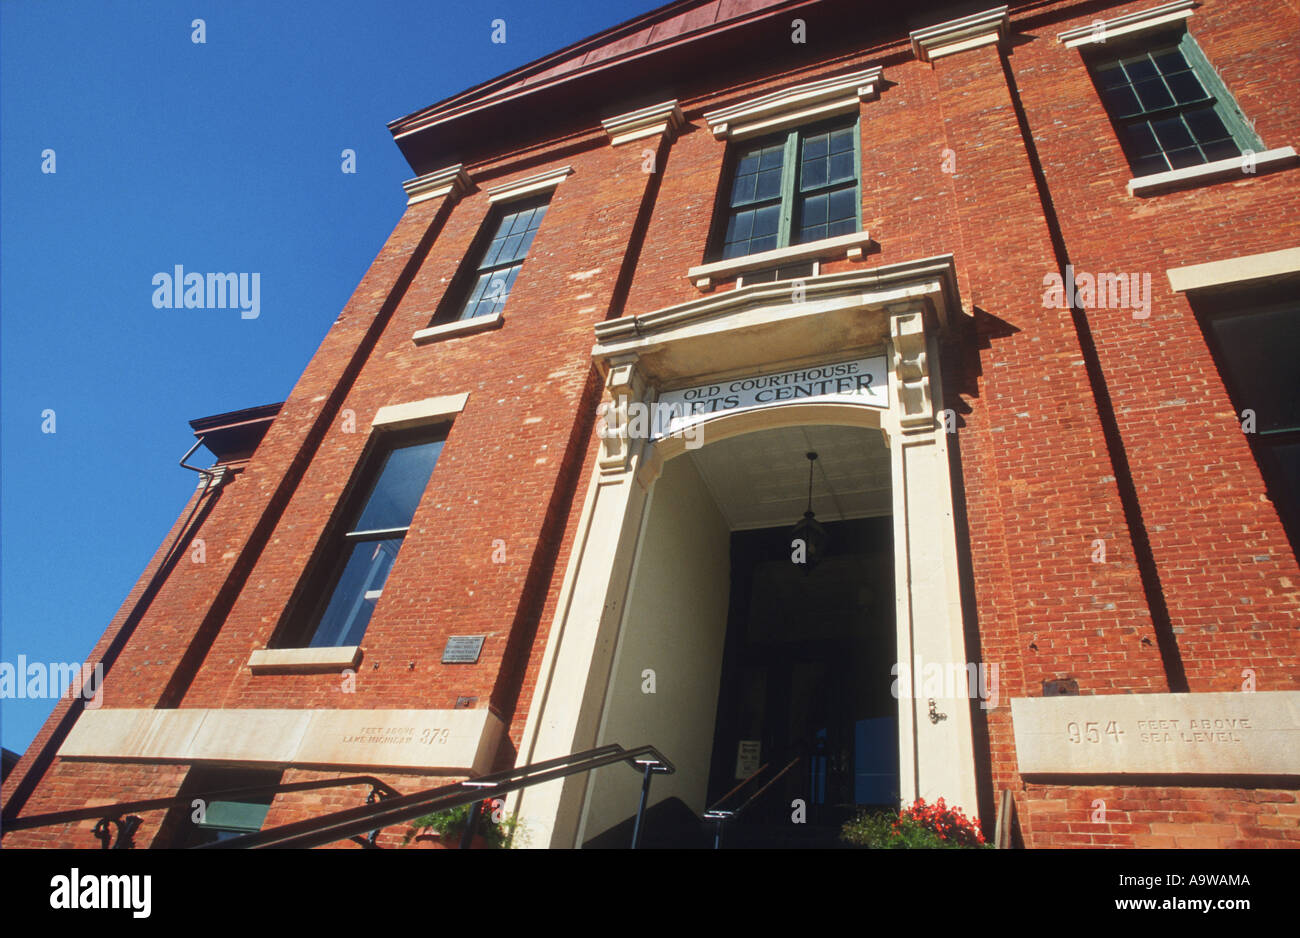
column 460, row 327
column 852, row 246
column 304, row 659
column 1208, row 173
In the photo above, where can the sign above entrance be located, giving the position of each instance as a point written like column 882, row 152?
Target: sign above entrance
column 860, row 381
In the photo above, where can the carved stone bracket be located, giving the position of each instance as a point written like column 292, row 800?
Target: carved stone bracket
column 911, row 366
column 626, row 385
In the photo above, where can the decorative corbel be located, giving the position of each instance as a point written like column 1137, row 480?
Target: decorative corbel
column 911, row 366
column 626, row 385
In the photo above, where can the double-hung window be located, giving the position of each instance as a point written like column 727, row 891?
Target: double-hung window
column 1169, row 107
column 792, row 188
column 352, row 573
column 1255, row 337
column 499, row 253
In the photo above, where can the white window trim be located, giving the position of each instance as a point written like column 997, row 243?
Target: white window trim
column 416, row 413
column 798, row 104
column 851, row 246
column 1205, row 173
column 459, row 327
column 1099, row 31
column 540, row 182
column 305, row 659
column 663, row 118
column 1234, row 270
column 453, row 181
column 967, row 32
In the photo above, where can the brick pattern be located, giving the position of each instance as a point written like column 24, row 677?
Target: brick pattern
column 1039, row 476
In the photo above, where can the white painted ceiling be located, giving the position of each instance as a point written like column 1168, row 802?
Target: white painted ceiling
column 760, row 480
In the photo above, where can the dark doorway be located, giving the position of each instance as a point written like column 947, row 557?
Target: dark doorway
column 807, row 674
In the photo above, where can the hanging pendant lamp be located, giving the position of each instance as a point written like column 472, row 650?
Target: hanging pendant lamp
column 808, row 530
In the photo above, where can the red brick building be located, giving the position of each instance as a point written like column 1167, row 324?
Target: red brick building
column 1024, row 279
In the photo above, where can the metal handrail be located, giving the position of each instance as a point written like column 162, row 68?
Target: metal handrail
column 339, row 825
column 720, row 817
column 113, row 813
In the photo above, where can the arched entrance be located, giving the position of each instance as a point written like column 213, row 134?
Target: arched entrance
column 887, row 321
column 737, row 653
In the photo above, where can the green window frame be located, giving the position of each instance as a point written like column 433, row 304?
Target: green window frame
column 1169, row 107
column 791, row 188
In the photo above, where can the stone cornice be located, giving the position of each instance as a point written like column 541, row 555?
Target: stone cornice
column 967, row 32
column 453, row 181
column 664, row 118
column 795, row 105
column 1101, row 30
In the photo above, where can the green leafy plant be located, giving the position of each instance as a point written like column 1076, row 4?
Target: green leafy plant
column 919, row 825
column 451, row 822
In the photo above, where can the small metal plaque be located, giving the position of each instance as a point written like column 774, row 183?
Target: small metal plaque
column 462, row 649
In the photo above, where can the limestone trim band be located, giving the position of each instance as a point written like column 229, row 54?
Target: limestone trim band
column 460, row 742
column 1255, row 733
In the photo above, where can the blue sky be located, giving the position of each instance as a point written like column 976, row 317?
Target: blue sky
column 220, row 156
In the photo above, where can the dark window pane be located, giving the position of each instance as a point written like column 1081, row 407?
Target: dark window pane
column 353, row 599
column 1179, row 159
column 842, row 167
column 1262, row 351
column 747, row 165
column 1140, row 69
column 843, row 205
column 1280, row 462
column 814, row 210
column 1153, row 94
column 773, row 157
column 1169, row 61
column 1148, row 165
column 1111, row 76
column 763, row 244
column 814, row 148
column 1185, row 87
column 814, row 175
column 1206, row 125
column 1172, row 133
column 769, row 184
column 1121, row 101
column 742, row 191
column 842, row 141
column 397, row 491
column 1140, row 140
column 1220, row 150
column 766, row 221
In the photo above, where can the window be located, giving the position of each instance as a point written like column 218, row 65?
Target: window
column 793, row 188
column 352, row 577
column 488, row 283
column 1255, row 339
column 219, row 819
column 1169, row 107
